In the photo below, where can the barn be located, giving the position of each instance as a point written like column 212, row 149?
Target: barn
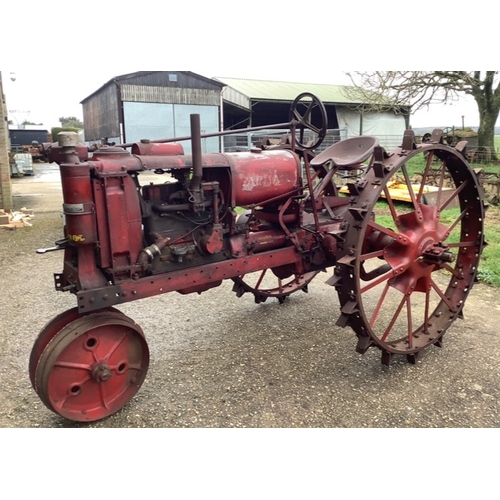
column 153, row 105
column 158, row 104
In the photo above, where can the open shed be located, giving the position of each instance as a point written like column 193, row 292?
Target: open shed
column 255, row 103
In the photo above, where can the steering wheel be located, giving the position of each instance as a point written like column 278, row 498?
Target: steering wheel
column 301, row 112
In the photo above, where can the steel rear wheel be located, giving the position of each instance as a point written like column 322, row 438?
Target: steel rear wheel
column 406, row 269
column 92, row 367
column 268, row 283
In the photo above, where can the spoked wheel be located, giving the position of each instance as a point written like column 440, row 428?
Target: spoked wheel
column 268, row 283
column 92, row 366
column 406, row 269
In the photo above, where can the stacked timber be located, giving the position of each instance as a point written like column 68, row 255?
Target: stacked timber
column 17, row 219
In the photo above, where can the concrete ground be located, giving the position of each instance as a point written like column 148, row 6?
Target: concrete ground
column 220, row 361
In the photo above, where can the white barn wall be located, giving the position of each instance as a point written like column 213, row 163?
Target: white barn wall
column 388, row 127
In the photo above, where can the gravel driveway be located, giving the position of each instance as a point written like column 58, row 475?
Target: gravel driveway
column 220, row 361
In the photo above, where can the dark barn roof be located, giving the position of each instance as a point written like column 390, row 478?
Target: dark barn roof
column 158, row 79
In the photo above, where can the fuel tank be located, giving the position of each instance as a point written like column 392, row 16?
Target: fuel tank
column 259, row 176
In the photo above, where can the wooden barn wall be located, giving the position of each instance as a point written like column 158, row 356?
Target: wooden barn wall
column 170, row 95
column 178, row 79
column 101, row 115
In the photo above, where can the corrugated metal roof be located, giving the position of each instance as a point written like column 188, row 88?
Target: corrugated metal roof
column 288, row 91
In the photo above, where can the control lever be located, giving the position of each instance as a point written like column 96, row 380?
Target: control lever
column 60, row 245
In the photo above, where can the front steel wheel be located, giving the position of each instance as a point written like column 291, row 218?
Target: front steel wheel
column 92, row 366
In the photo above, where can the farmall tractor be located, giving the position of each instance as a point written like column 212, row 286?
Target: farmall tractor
column 270, row 220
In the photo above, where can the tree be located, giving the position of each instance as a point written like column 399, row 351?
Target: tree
column 393, row 89
column 71, row 121
column 27, row 122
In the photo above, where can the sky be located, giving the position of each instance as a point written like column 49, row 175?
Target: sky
column 68, row 52
column 40, row 100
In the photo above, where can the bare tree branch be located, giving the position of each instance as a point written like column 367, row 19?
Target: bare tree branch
column 400, row 91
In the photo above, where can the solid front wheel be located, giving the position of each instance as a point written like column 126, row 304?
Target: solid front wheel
column 92, row 367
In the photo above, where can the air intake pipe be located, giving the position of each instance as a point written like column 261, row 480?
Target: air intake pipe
column 196, row 152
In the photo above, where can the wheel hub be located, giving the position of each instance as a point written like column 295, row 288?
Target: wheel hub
column 439, row 253
column 420, row 238
column 101, row 372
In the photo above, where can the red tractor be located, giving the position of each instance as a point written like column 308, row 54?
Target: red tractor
column 270, row 220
